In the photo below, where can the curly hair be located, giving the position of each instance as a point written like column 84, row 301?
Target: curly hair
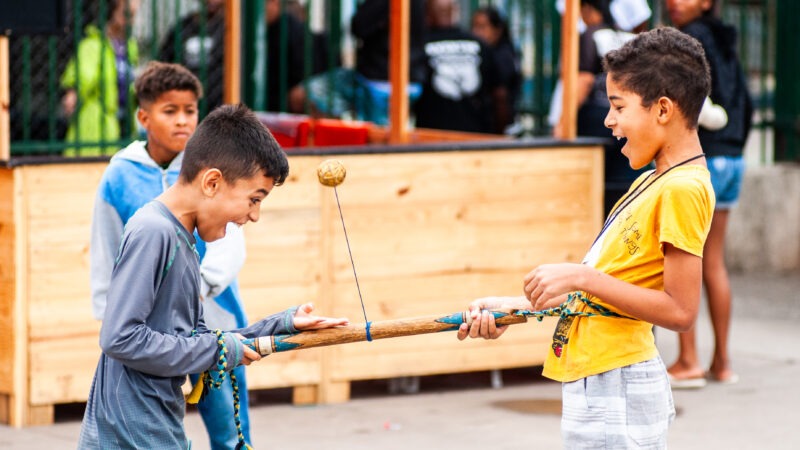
column 159, row 77
column 663, row 62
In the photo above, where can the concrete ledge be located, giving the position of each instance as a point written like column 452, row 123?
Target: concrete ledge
column 764, row 229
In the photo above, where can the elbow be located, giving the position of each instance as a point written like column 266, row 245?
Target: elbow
column 683, row 321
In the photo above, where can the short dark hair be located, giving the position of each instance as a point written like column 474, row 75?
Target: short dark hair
column 160, row 77
column 233, row 140
column 663, row 62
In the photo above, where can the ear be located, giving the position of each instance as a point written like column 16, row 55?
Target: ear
column 665, row 109
column 143, row 117
column 210, row 182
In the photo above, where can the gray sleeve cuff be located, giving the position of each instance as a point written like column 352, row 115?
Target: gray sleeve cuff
column 234, row 351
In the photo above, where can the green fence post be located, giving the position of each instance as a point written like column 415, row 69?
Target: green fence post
column 254, row 55
column 787, row 82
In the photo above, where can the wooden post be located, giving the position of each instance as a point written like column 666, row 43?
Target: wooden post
column 20, row 398
column 5, row 100
column 233, row 52
column 569, row 68
column 399, row 19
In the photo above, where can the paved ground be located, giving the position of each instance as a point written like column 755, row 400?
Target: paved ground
column 464, row 412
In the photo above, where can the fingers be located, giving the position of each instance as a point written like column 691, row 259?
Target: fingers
column 463, row 332
column 483, row 325
column 318, row 322
column 250, row 355
column 304, row 309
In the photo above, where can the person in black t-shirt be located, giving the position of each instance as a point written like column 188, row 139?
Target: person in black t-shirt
column 460, row 91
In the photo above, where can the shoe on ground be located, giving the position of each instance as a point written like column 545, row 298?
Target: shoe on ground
column 687, row 383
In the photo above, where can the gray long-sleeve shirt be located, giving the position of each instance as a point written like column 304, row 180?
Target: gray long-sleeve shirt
column 153, row 307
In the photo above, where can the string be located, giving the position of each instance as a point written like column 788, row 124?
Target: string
column 563, row 310
column 353, row 264
column 633, row 194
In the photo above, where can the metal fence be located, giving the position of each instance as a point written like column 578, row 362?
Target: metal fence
column 190, row 32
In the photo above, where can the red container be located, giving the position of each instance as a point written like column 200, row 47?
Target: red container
column 290, row 130
column 330, row 132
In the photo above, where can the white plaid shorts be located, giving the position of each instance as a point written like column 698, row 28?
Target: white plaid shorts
column 626, row 408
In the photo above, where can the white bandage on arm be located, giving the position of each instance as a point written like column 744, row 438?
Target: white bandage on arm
column 712, row 117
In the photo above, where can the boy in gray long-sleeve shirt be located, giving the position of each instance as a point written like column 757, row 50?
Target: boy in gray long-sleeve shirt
column 154, row 332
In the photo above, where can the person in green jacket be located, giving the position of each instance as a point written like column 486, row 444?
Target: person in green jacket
column 98, row 81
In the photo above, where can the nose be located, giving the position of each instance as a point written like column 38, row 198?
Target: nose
column 609, row 121
column 183, row 118
column 255, row 213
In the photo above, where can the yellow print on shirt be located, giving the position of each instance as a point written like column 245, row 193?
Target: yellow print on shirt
column 630, row 232
column 631, row 236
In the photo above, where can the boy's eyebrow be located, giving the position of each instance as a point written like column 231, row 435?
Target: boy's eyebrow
column 263, row 191
column 614, row 97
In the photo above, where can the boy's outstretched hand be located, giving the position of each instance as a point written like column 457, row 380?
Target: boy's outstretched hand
column 304, row 320
column 483, row 324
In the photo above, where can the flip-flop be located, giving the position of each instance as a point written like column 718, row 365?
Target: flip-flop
column 733, row 379
column 686, row 383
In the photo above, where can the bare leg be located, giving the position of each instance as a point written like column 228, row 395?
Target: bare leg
column 715, row 280
column 688, row 364
column 718, row 291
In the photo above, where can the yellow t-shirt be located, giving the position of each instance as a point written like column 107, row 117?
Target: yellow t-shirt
column 676, row 208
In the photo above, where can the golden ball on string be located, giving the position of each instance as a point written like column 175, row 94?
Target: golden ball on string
column 331, row 172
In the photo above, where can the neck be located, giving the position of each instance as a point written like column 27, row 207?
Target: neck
column 175, row 199
column 686, row 146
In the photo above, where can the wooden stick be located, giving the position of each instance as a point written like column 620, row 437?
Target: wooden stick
column 266, row 345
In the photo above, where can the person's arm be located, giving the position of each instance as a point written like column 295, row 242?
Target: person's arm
column 291, row 321
column 125, row 335
column 222, row 262
column 502, row 112
column 674, row 308
column 86, row 76
column 683, row 218
column 104, row 244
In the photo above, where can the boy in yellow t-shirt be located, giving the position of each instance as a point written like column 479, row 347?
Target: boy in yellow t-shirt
column 645, row 266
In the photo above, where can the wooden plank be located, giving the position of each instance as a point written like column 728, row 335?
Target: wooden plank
column 19, row 411
column 5, row 408
column 40, row 415
column 304, row 395
column 398, row 70
column 60, row 204
column 5, row 101
column 7, row 284
column 62, row 369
